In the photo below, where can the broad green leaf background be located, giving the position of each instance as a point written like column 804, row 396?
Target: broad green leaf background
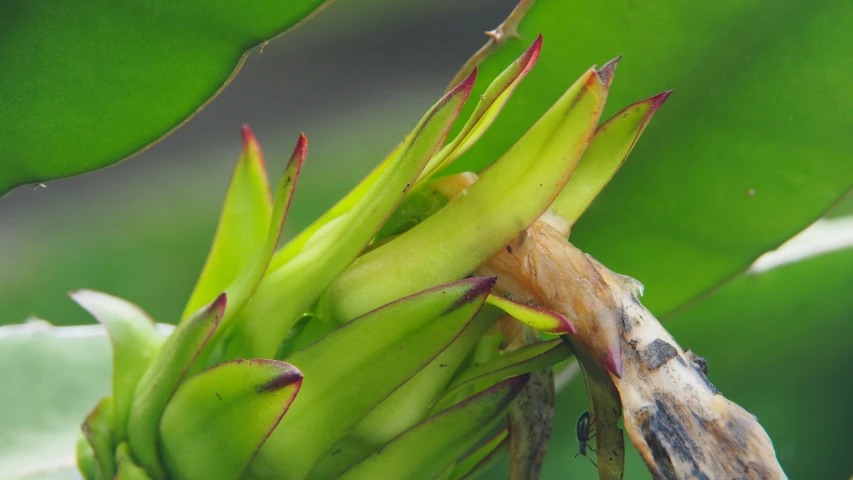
column 750, row 148
column 86, row 84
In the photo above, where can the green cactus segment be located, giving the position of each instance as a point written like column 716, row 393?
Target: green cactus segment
column 98, row 430
column 490, row 105
column 481, row 458
column 527, row 359
column 428, row 448
column 345, row 385
column 539, row 318
column 291, row 289
column 243, row 226
column 217, row 420
column 87, row 464
column 94, row 96
column 127, row 469
column 163, row 375
column 609, row 148
column 134, row 338
column 510, row 196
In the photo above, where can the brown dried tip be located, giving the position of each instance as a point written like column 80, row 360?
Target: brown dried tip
column 606, row 72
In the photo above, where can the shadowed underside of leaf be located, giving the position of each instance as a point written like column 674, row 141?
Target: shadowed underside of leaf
column 481, row 458
column 342, row 382
column 93, row 93
column 430, row 447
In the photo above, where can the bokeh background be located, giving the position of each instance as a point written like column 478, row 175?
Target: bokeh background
column 777, row 343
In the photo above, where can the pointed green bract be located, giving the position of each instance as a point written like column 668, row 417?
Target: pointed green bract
column 428, row 448
column 134, row 338
column 291, row 289
column 510, row 196
column 243, row 286
column 524, row 360
column 487, row 109
column 217, row 420
column 98, row 430
column 243, row 226
column 337, row 212
column 539, row 318
column 343, row 382
column 164, row 374
column 481, row 458
column 126, row 468
column 609, row 148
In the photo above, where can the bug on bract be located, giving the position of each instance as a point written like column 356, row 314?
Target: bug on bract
column 584, row 427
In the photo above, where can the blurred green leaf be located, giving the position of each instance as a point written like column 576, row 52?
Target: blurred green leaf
column 403, row 337
column 51, row 378
column 86, row 84
column 428, row 448
column 217, row 420
column 778, row 343
column 751, row 148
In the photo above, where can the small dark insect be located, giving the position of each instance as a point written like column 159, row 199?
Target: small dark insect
column 583, row 431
